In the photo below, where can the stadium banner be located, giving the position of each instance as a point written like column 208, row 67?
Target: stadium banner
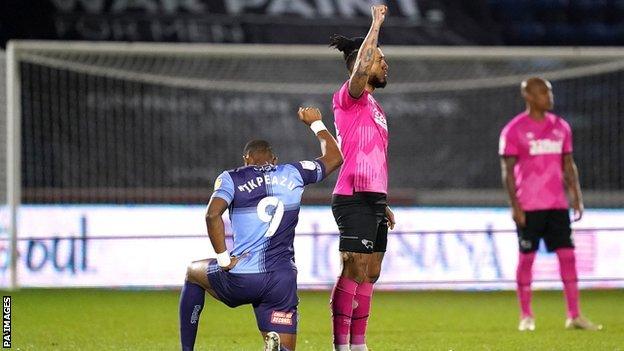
column 441, row 248
column 258, row 21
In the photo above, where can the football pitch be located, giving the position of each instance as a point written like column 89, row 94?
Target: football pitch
column 90, row 319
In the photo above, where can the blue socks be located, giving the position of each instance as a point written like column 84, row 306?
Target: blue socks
column 191, row 303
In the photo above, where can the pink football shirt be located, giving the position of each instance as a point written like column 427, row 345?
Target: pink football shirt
column 362, row 134
column 539, row 148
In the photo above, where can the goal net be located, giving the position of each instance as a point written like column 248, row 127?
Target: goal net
column 143, row 123
column 133, row 123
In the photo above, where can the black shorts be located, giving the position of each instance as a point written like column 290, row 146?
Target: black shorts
column 362, row 222
column 551, row 225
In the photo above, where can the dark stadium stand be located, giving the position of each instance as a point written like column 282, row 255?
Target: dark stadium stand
column 560, row 22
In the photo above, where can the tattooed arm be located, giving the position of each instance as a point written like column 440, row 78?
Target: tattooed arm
column 367, row 53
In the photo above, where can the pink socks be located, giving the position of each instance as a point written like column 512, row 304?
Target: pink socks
column 567, row 269
column 342, row 309
column 350, row 304
column 524, row 277
column 359, row 320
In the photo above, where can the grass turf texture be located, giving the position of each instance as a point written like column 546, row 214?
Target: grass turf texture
column 86, row 319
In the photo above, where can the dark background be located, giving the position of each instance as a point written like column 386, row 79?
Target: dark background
column 127, row 148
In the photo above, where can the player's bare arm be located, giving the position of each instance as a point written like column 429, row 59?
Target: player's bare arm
column 367, row 53
column 571, row 177
column 331, row 154
column 216, row 227
column 509, row 183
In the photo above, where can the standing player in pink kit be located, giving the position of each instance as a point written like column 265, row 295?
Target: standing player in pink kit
column 537, row 165
column 359, row 202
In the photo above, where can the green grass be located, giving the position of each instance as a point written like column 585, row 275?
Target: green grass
column 86, row 319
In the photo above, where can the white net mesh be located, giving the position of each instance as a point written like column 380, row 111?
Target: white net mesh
column 156, row 123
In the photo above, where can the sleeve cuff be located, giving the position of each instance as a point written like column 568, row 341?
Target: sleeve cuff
column 223, row 195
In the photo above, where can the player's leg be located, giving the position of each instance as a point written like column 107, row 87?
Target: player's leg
column 362, row 303
column 192, row 301
column 528, row 242
column 357, row 225
column 343, row 294
column 276, row 311
column 364, row 292
column 558, row 238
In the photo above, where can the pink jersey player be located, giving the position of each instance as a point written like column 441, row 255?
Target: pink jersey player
column 538, row 147
column 537, row 168
column 359, row 203
column 363, row 137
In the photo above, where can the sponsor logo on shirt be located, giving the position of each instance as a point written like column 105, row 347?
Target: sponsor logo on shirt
column 379, row 118
column 282, row 318
column 545, row 147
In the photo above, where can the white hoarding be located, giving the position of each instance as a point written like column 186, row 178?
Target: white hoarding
column 150, row 246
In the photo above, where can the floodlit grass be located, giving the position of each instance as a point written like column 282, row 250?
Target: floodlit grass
column 88, row 319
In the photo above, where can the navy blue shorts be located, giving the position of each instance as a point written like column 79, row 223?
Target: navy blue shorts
column 273, row 295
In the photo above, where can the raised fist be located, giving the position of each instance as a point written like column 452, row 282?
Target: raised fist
column 309, row 114
column 379, row 13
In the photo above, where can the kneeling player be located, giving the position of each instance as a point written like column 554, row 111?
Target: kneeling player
column 263, row 200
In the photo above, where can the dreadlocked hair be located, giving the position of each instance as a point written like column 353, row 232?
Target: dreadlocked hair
column 348, row 46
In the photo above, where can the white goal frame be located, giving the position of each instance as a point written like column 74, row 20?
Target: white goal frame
column 611, row 59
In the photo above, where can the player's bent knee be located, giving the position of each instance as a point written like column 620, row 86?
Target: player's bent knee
column 373, row 278
column 189, row 273
column 196, row 272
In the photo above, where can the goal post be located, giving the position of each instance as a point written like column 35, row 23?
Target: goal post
column 142, row 123
column 12, row 150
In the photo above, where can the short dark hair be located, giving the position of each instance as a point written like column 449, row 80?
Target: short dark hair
column 257, row 145
column 348, row 46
